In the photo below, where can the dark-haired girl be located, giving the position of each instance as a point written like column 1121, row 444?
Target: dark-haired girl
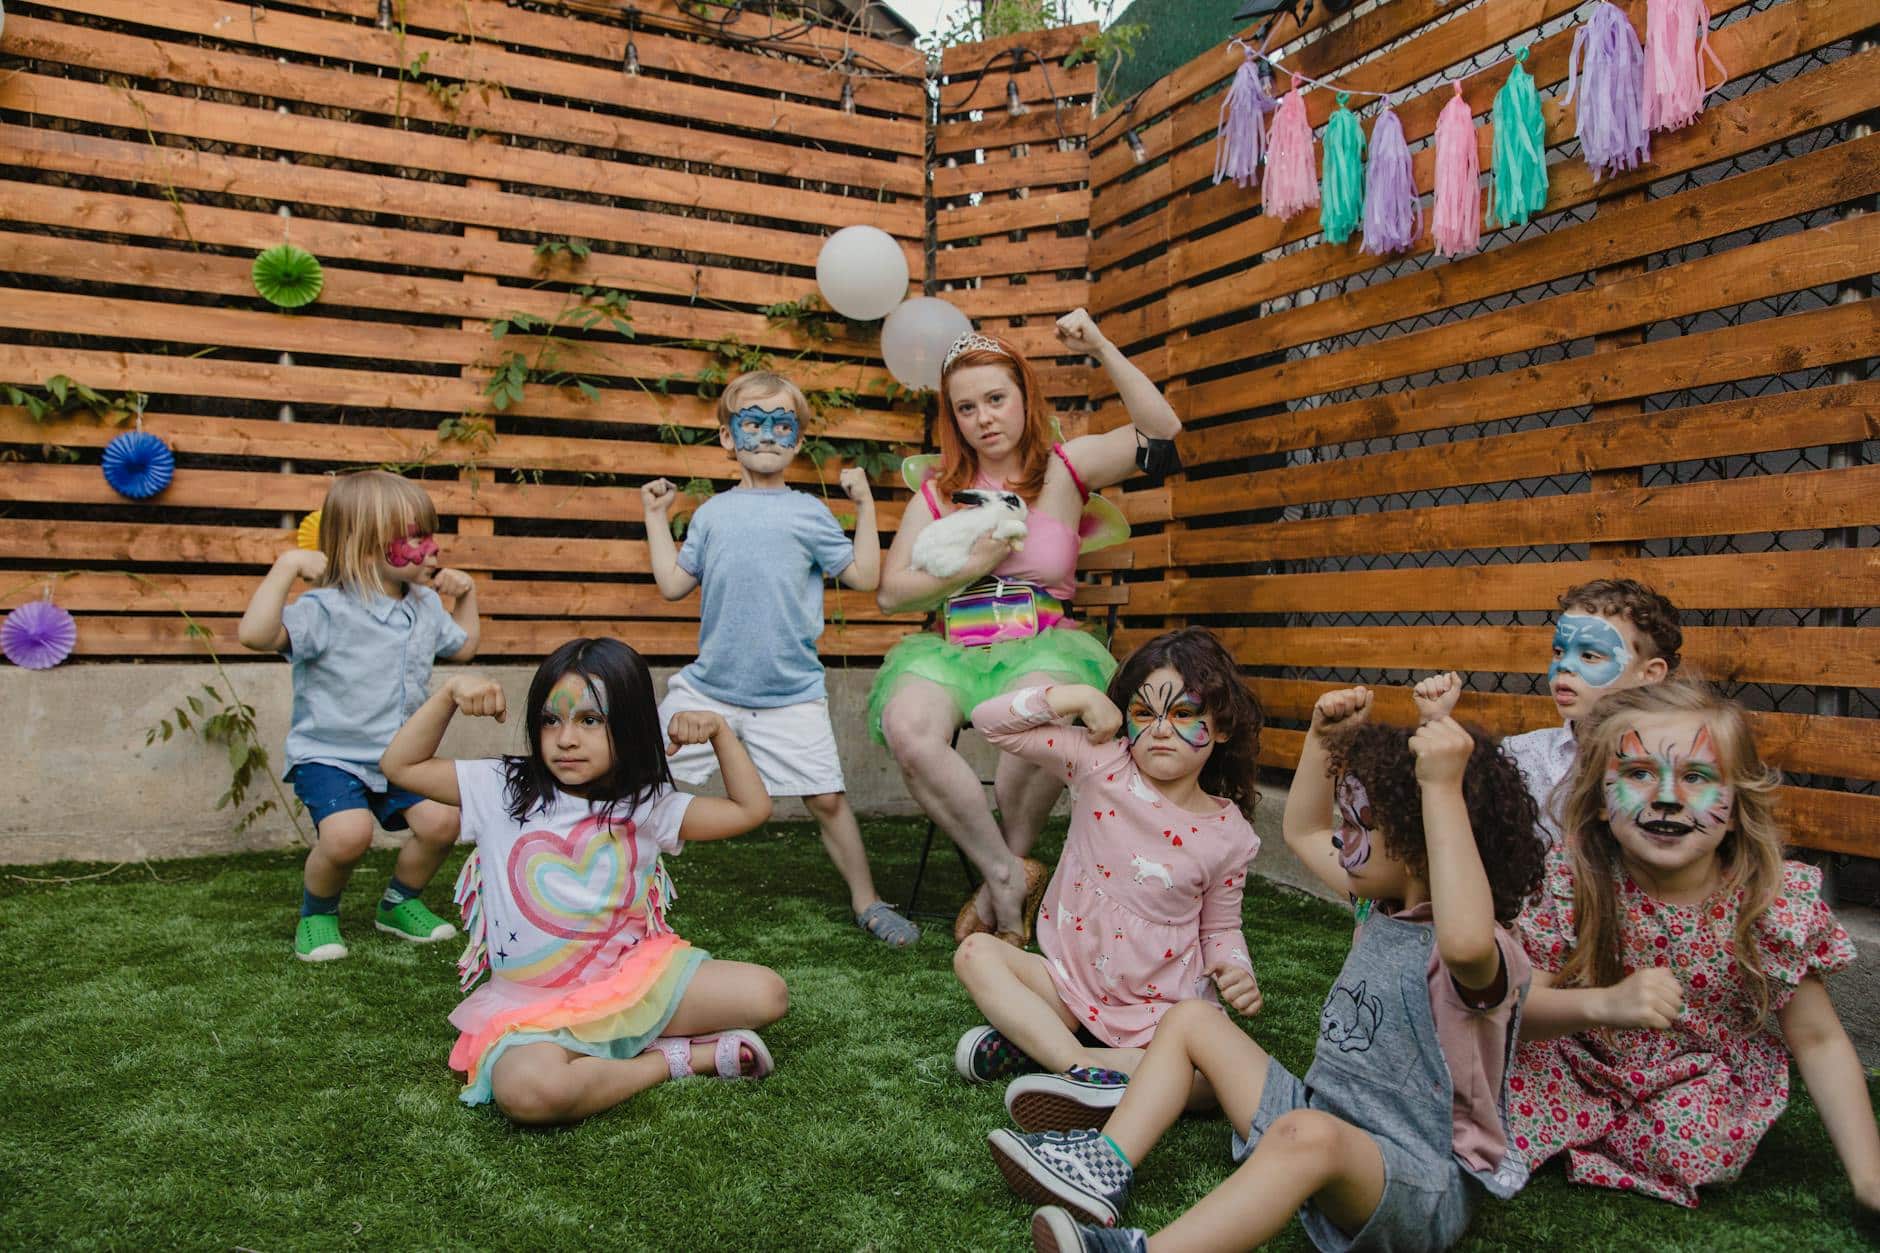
column 1144, row 910
column 591, row 998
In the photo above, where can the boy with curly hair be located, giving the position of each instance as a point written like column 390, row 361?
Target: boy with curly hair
column 1611, row 634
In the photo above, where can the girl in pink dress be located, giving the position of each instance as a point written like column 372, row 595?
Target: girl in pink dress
column 1144, row 910
column 1678, row 964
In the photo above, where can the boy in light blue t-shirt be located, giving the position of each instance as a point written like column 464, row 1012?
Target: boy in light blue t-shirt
column 759, row 554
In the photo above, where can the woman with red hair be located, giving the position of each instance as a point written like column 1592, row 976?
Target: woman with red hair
column 995, row 433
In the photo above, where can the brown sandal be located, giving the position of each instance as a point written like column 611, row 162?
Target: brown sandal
column 1037, row 879
column 967, row 921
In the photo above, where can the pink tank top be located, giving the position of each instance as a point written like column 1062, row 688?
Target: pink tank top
column 1049, row 557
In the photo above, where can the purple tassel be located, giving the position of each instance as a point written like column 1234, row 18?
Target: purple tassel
column 1393, row 216
column 1610, row 84
column 1243, row 126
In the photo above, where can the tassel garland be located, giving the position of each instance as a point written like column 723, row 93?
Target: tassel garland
column 1606, row 73
column 1456, row 220
column 1393, row 216
column 1343, row 205
column 1292, row 183
column 1677, row 39
column 1243, row 126
column 1520, row 147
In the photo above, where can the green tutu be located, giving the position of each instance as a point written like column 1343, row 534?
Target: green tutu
column 972, row 675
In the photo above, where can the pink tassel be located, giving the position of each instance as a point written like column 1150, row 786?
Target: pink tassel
column 1456, row 222
column 1677, row 39
column 1243, row 126
column 1292, row 182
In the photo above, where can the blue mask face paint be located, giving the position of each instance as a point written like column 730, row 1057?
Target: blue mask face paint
column 752, row 427
column 1589, row 648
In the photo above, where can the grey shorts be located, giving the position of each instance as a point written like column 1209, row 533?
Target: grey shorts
column 1426, row 1205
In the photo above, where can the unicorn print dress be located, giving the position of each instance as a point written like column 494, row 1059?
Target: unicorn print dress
column 1146, row 895
column 566, row 913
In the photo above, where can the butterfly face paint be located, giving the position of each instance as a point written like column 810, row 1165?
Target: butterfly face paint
column 1164, row 703
column 752, row 427
column 1589, row 648
column 411, row 550
column 1352, row 839
column 1668, row 790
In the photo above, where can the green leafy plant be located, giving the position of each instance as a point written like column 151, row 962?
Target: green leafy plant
column 574, row 248
column 588, row 308
column 230, row 722
column 64, row 397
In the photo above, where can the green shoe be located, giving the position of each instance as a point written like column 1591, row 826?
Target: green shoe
column 316, row 939
column 410, row 920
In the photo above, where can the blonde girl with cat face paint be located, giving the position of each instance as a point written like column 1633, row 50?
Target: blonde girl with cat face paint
column 1680, row 964
column 1397, row 1131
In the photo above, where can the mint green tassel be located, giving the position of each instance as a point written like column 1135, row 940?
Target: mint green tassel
column 1520, row 148
column 1341, row 206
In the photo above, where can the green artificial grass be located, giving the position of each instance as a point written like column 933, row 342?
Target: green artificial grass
column 175, row 1079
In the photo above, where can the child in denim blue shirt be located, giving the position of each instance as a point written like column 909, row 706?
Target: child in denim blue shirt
column 362, row 642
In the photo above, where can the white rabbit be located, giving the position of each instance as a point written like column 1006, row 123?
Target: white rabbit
column 942, row 547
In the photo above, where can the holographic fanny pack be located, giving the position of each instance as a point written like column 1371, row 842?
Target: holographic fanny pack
column 996, row 611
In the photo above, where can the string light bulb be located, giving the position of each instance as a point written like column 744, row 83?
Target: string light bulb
column 630, row 60
column 1137, row 149
column 1014, row 107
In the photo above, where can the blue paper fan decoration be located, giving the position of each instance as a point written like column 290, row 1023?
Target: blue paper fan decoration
column 38, row 635
column 139, row 465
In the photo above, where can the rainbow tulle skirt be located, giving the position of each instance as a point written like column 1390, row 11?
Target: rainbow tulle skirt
column 971, row 675
column 615, row 1014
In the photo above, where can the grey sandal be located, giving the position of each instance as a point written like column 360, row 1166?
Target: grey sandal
column 880, row 921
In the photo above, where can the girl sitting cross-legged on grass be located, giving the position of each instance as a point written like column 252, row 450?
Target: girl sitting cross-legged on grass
column 1144, row 910
column 1679, row 964
column 1397, row 1129
column 592, row 998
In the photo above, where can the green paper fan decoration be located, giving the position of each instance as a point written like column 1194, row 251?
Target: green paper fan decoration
column 288, row 277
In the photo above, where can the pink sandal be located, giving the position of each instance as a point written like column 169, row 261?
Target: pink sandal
column 726, row 1064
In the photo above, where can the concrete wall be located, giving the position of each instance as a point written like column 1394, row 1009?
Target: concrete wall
column 80, row 783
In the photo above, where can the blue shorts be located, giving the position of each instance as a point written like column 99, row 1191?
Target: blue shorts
column 328, row 790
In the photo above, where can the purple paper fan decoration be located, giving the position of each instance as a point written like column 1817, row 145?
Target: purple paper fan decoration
column 138, row 464
column 38, row 635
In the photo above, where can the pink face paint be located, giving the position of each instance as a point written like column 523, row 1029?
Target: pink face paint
column 1352, row 839
column 411, row 550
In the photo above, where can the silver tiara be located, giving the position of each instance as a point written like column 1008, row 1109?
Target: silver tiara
column 972, row 341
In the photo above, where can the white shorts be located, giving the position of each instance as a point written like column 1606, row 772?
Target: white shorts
column 792, row 746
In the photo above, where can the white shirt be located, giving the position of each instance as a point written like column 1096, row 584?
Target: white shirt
column 1546, row 759
column 563, row 893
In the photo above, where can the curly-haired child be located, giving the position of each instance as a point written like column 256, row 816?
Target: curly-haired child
column 1397, row 1130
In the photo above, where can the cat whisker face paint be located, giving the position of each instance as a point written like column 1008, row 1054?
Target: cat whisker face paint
column 1669, row 788
column 753, row 427
column 1356, row 823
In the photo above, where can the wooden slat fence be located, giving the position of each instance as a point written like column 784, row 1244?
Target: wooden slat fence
column 154, row 147
column 1396, row 465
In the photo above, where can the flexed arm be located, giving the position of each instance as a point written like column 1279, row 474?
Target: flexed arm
column 1105, row 460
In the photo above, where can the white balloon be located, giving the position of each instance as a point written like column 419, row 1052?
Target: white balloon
column 915, row 339
column 862, row 272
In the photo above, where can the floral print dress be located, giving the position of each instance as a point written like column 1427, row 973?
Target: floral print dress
column 1664, row 1112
